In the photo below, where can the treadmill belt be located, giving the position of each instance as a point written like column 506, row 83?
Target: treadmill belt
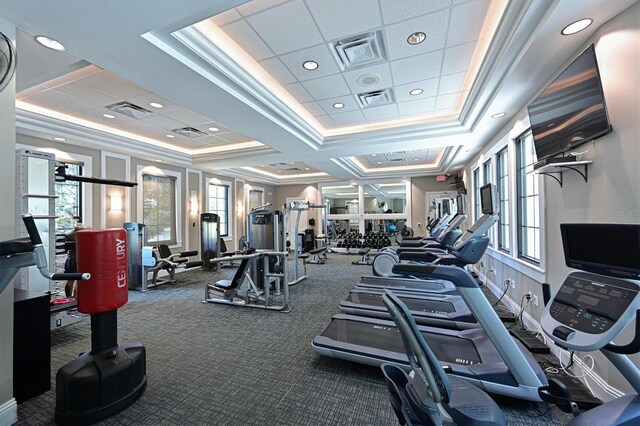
column 417, row 305
column 448, row 349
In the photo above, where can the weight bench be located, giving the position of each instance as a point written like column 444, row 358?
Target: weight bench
column 318, row 256
column 167, row 261
column 364, row 257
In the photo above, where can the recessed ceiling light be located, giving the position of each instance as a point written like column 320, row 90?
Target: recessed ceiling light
column 415, row 92
column 416, row 159
column 378, row 162
column 279, row 171
column 155, row 104
column 213, row 129
column 471, row 150
column 59, row 139
column 416, row 38
column 158, row 161
column 49, row 42
column 108, row 116
column 338, row 105
column 499, row 115
column 292, row 162
column 577, row 26
column 310, row 65
column 373, row 155
column 307, row 168
column 170, row 136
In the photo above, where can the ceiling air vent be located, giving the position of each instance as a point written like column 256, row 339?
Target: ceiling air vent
column 190, row 132
column 358, row 51
column 376, row 98
column 397, row 160
column 129, row 109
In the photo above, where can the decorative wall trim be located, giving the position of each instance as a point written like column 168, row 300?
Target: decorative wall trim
column 9, row 412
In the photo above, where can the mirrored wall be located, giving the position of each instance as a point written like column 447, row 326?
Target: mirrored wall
column 368, row 207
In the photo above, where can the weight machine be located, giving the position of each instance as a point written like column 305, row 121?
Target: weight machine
column 298, row 207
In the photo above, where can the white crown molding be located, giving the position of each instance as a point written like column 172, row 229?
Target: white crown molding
column 212, row 63
column 82, row 136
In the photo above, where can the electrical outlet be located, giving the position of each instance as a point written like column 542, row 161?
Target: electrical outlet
column 513, row 284
column 419, row 225
column 482, row 263
column 534, row 300
column 529, row 295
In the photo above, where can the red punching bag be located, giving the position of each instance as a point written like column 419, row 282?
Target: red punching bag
column 102, row 253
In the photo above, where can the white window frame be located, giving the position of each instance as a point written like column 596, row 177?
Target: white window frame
column 230, row 204
column 155, row 171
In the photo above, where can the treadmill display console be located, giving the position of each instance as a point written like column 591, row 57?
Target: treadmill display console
column 591, row 305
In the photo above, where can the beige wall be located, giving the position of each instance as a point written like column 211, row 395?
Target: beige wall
column 612, row 194
column 115, row 168
column 7, row 231
column 419, row 187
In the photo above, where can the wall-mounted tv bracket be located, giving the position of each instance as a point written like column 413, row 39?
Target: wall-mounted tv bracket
column 555, row 170
column 62, row 176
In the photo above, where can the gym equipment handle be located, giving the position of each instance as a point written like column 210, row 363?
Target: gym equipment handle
column 82, row 277
column 30, row 224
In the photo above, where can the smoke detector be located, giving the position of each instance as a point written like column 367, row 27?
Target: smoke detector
column 368, row 80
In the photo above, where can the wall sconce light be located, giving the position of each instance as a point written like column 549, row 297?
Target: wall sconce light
column 193, row 203
column 116, row 203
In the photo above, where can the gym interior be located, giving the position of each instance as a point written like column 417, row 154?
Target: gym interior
column 320, row 212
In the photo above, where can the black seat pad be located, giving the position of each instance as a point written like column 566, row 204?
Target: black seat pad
column 19, row 245
column 318, row 250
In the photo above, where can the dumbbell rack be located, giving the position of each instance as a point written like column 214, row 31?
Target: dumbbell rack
column 352, row 243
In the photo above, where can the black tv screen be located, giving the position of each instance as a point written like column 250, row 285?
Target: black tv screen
column 487, row 198
column 607, row 249
column 571, row 110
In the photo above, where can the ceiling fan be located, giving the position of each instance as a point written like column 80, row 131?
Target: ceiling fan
column 7, row 61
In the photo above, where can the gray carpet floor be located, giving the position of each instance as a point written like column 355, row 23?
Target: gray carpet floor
column 214, row 364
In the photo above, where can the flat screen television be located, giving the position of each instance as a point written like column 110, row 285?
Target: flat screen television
column 571, row 110
column 603, row 248
column 488, row 199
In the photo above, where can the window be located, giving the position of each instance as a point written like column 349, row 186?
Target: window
column 528, row 200
column 159, row 208
column 69, row 202
column 476, row 194
column 503, row 198
column 219, row 204
column 486, row 171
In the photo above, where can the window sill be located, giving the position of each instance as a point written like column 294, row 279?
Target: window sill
column 519, row 265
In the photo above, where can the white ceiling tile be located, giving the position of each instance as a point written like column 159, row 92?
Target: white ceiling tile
column 314, row 108
column 286, row 27
column 458, row 58
column 320, row 54
column 325, row 121
column 86, row 93
column 350, row 104
column 466, row 22
column 233, row 137
column 419, row 106
column 416, row 68
column 381, row 113
column 347, row 118
column 382, row 70
column 162, row 122
column 211, row 140
column 298, row 92
column 112, row 85
column 448, row 101
column 148, row 97
column 57, row 101
column 83, row 72
column 94, row 114
column 451, row 83
column 434, row 25
column 339, row 19
column 226, row 17
column 255, row 6
column 429, row 89
column 327, row 87
column 399, row 10
column 278, row 71
column 244, row 35
column 186, row 117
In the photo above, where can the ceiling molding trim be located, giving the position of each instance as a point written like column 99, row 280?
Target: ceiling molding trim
column 520, row 23
column 97, row 139
column 193, row 50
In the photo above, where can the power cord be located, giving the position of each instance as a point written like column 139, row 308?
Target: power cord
column 506, row 285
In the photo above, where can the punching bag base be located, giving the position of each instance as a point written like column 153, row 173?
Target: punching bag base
column 99, row 384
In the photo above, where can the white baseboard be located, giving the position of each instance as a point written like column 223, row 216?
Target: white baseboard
column 598, row 386
column 9, row 412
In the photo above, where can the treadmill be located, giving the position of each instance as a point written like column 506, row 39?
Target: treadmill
column 438, row 310
column 487, row 357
